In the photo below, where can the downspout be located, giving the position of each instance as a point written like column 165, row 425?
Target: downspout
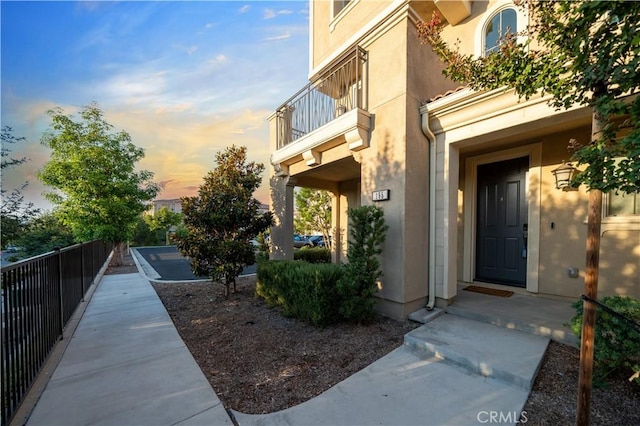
column 432, row 207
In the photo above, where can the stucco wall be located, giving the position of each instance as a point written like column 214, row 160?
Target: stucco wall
column 564, row 244
column 327, row 40
column 384, row 163
column 401, row 75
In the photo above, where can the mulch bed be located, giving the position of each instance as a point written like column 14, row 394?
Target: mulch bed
column 258, row 361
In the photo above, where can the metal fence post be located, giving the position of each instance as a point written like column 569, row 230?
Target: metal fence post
column 82, row 269
column 60, row 295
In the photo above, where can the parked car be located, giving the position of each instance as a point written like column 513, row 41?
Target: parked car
column 299, row 241
column 318, row 241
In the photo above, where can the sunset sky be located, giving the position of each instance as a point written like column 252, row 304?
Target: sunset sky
column 184, row 79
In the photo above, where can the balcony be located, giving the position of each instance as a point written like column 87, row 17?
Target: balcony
column 327, row 112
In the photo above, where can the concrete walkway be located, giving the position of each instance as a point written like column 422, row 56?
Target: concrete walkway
column 405, row 388
column 127, row 365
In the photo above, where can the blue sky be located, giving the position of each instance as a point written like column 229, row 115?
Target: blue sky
column 185, row 79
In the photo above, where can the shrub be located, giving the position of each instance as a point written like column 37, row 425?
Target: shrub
column 617, row 344
column 303, row 290
column 358, row 285
column 262, row 250
column 313, row 255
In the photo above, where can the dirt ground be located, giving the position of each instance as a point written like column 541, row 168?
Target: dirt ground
column 258, row 361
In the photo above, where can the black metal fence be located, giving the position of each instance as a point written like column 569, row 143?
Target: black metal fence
column 39, row 296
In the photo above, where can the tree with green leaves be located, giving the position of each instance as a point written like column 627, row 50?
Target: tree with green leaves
column 143, row 235
column 313, row 208
column 163, row 220
column 14, row 212
column 98, row 192
column 223, row 219
column 584, row 53
column 42, row 234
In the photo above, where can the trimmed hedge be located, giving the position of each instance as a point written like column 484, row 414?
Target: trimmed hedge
column 323, row 293
column 303, row 290
column 313, row 255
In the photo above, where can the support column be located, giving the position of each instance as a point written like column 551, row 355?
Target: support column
column 450, row 222
column 336, row 226
column 281, row 240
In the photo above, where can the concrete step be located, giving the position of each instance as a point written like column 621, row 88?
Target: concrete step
column 546, row 318
column 510, row 356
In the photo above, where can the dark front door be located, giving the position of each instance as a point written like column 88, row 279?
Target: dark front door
column 501, row 240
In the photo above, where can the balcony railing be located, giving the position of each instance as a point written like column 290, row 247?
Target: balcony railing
column 39, row 295
column 341, row 89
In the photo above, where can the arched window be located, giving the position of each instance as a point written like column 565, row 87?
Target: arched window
column 503, row 22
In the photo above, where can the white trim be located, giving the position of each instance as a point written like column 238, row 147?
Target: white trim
column 311, row 31
column 468, row 115
column 451, row 173
column 534, row 194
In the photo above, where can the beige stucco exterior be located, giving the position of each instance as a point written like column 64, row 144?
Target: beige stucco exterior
column 385, row 144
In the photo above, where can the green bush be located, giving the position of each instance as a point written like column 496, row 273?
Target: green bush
column 303, row 290
column 358, row 285
column 617, row 344
column 313, row 255
column 323, row 293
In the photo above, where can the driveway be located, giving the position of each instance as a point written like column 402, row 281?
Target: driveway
column 172, row 266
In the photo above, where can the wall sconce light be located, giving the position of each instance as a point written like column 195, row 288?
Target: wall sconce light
column 563, row 174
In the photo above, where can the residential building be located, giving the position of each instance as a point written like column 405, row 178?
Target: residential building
column 173, row 205
column 464, row 177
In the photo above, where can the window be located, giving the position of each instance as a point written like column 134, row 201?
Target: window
column 338, row 5
column 622, row 204
column 503, row 22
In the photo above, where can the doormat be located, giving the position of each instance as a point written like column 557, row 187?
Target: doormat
column 490, row 291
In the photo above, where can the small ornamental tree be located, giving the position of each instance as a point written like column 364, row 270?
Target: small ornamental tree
column 583, row 53
column 98, row 193
column 223, row 219
column 314, row 213
column 358, row 285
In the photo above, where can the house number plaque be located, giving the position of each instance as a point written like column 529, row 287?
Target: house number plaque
column 381, row 195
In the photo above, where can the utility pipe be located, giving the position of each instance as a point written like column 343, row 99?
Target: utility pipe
column 432, row 207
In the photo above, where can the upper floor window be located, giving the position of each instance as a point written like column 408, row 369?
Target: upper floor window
column 338, row 5
column 503, row 22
